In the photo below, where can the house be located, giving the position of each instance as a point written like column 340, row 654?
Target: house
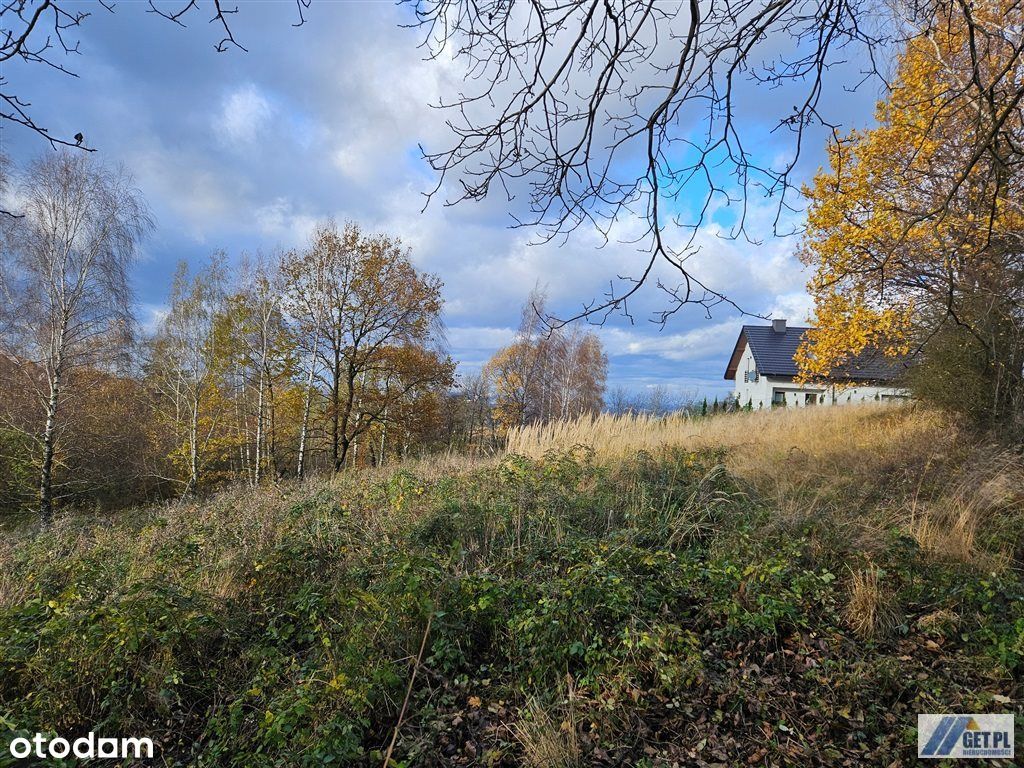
column 764, row 370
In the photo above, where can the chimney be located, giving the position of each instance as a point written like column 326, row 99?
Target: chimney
column 779, row 326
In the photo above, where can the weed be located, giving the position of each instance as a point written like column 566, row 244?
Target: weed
column 872, row 610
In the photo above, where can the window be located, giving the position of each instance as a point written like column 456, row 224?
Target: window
column 778, row 397
column 811, row 398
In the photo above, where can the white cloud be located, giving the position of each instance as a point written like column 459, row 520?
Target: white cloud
column 150, row 316
column 480, row 337
column 701, row 343
column 245, row 114
column 279, row 220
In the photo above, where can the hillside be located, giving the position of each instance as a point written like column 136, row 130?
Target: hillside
column 768, row 588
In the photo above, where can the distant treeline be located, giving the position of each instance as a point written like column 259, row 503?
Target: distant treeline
column 314, row 359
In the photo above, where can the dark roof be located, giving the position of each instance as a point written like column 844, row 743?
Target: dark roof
column 773, row 354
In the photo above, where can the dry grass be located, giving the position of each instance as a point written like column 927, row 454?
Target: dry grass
column 449, row 463
column 13, row 590
column 986, row 491
column 872, row 610
column 868, row 468
column 547, row 741
column 759, row 443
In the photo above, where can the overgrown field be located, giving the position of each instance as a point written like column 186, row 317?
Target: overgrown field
column 758, row 589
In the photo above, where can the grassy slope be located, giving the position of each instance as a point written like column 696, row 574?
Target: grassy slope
column 760, row 589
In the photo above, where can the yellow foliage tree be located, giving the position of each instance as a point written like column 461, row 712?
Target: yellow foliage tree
column 546, row 374
column 908, row 230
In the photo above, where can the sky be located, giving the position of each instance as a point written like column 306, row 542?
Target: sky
column 247, row 151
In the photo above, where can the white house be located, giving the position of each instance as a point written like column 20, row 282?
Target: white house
column 764, row 370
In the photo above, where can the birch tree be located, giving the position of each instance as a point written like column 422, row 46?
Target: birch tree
column 546, row 374
column 66, row 298
column 184, row 360
column 257, row 319
column 312, row 277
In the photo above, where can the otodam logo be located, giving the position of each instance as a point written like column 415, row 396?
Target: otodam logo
column 978, row 736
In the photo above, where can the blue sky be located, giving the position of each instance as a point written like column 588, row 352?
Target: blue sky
column 246, row 151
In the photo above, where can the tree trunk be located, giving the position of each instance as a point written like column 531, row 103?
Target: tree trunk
column 336, row 428
column 241, row 420
column 272, row 429
column 341, row 420
column 306, row 405
column 259, row 431
column 193, row 452
column 49, row 433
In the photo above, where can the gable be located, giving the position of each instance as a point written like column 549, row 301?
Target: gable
column 774, row 351
column 737, row 355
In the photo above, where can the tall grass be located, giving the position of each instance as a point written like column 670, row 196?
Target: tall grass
column 755, row 440
column 933, row 479
column 788, row 455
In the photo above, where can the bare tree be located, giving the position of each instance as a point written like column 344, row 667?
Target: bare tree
column 610, row 110
column 66, row 300
column 657, row 400
column 478, row 422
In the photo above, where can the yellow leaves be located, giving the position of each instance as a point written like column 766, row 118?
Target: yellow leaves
column 895, row 217
column 475, row 701
column 846, row 327
column 546, row 375
column 338, row 682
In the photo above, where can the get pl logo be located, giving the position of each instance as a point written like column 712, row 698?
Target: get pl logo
column 964, row 736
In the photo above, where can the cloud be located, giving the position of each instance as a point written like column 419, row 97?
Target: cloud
column 279, row 220
column 480, row 337
column 150, row 316
column 701, row 343
column 244, row 115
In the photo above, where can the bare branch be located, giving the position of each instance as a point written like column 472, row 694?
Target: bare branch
column 42, row 32
column 612, row 111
